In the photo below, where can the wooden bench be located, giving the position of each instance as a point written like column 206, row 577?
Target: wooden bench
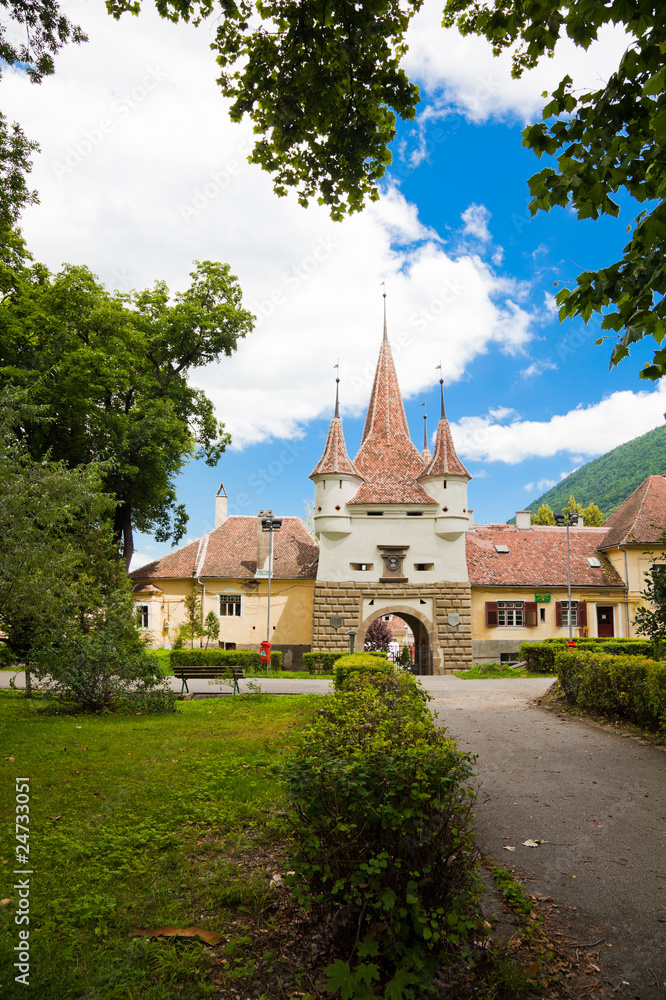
column 205, row 671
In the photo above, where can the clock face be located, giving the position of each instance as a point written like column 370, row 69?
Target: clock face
column 392, row 563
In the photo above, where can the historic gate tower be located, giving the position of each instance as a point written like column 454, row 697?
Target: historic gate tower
column 391, row 527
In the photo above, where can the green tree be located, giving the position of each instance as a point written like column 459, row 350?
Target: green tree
column 592, row 516
column 37, row 32
column 572, row 507
column 607, row 140
column 65, row 606
column 211, row 629
column 650, row 619
column 544, row 515
column 112, row 372
column 193, row 628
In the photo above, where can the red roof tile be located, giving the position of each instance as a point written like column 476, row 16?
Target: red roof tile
column 537, row 557
column 387, row 459
column 641, row 519
column 230, row 552
column 445, row 461
column 335, row 457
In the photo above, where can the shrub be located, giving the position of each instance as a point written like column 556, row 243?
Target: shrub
column 381, row 811
column 359, row 663
column 246, row 658
column 540, row 656
column 629, row 687
column 319, row 662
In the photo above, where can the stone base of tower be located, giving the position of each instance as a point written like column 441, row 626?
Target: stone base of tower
column 440, row 615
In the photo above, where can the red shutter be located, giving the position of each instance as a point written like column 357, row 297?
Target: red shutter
column 558, row 613
column 491, row 614
column 531, row 617
column 582, row 614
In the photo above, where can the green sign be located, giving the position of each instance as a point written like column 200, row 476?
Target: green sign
column 542, row 598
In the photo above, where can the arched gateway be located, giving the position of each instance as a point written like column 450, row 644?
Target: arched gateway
column 391, row 528
column 420, row 627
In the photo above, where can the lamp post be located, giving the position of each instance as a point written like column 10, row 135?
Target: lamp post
column 569, row 522
column 270, row 524
column 352, row 635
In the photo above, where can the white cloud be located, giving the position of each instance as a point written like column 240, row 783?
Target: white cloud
column 464, row 73
column 141, row 172
column 476, row 219
column 538, row 368
column 589, row 431
column 540, row 486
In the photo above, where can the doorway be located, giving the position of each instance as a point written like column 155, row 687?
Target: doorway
column 605, row 627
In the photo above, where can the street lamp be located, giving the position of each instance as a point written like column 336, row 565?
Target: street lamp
column 569, row 522
column 270, row 524
column 352, row 636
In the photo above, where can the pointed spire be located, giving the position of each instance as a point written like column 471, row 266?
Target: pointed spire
column 445, row 461
column 425, row 454
column 387, row 458
column 335, row 458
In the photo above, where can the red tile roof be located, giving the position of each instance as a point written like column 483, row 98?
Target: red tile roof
column 537, row 557
column 230, row 552
column 335, row 457
column 641, row 519
column 445, row 461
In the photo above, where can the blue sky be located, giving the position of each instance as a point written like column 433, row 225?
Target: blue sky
column 141, row 173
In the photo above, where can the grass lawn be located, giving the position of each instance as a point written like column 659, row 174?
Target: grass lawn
column 486, row 671
column 139, row 822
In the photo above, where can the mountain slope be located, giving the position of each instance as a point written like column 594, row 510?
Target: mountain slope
column 609, row 479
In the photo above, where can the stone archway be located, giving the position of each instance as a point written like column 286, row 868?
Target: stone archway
column 421, row 629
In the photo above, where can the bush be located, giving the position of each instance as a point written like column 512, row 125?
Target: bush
column 7, row 658
column 540, row 656
column 380, row 816
column 629, row 687
column 319, row 662
column 101, row 663
column 246, row 658
column 359, row 663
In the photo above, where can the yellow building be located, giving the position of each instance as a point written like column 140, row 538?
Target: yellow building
column 519, row 575
column 228, row 568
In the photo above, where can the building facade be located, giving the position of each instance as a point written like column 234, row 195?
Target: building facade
column 391, row 529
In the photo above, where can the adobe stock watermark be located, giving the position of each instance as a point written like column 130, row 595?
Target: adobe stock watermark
column 22, row 884
column 292, row 279
column 216, row 182
column 121, row 109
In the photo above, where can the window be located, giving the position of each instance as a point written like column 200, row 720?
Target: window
column 361, row 567
column 414, row 513
column 565, row 614
column 542, row 614
column 511, row 613
column 230, row 605
column 423, row 567
column 502, row 549
column 375, row 513
column 142, row 615
column 593, row 562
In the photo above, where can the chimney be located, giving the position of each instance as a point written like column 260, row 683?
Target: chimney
column 220, row 506
column 581, row 521
column 523, row 520
column 262, row 546
column 470, row 517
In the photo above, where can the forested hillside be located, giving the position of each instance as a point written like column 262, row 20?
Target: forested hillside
column 609, row 479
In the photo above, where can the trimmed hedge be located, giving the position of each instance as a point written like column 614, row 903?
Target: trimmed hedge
column 380, row 813
column 320, row 662
column 360, row 665
column 628, row 687
column 540, row 656
column 246, row 658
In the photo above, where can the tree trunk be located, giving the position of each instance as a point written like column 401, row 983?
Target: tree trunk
column 122, row 533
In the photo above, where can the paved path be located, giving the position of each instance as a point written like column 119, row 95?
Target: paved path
column 596, row 798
